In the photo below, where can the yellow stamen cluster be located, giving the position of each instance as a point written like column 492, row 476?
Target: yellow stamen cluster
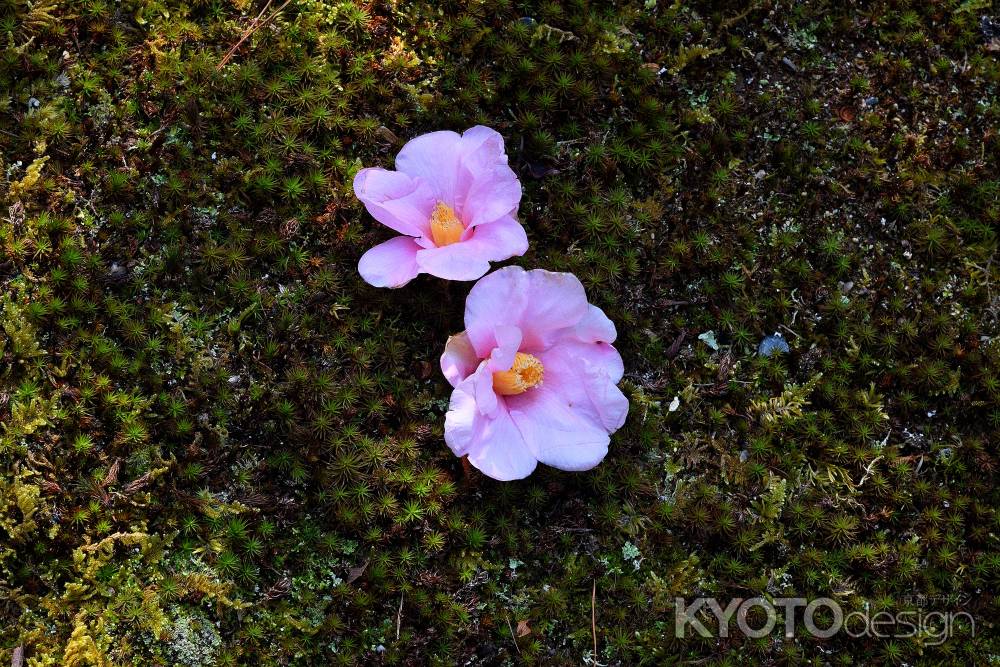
column 446, row 228
column 523, row 375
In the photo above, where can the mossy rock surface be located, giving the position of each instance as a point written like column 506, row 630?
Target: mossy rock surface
column 219, row 446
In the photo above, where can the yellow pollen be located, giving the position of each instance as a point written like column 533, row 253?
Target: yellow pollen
column 522, row 376
column 446, row 228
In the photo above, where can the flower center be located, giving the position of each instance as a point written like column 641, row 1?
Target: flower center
column 446, row 228
column 523, row 375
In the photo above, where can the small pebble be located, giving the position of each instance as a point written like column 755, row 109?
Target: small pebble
column 790, row 65
column 538, row 170
column 989, row 27
column 117, row 272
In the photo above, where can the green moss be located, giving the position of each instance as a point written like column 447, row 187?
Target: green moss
column 219, row 446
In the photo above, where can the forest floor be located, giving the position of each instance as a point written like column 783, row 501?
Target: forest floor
column 219, row 446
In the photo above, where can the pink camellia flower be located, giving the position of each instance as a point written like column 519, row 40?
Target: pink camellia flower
column 453, row 198
column 534, row 374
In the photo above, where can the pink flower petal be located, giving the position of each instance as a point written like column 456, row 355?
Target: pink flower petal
column 501, row 239
column 556, row 431
column 470, row 258
column 459, row 261
column 459, row 359
column 541, row 303
column 508, row 342
column 595, row 327
column 500, row 452
column 491, row 198
column 489, row 188
column 482, row 147
column 487, row 401
column 493, row 445
column 554, row 301
column 398, row 201
column 461, row 419
column 390, row 264
column 434, row 158
column 496, row 300
column 468, row 172
column 585, row 376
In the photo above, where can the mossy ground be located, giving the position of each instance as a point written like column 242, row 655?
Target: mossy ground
column 220, row 447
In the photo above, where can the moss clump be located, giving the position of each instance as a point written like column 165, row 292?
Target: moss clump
column 219, row 446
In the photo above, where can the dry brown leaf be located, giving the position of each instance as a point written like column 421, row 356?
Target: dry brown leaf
column 356, row 572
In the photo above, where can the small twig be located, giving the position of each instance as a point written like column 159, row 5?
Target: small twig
column 112, row 475
column 399, row 615
column 513, row 637
column 593, row 616
column 789, row 331
column 573, row 530
column 255, row 25
column 18, row 659
column 730, row 22
column 246, row 33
